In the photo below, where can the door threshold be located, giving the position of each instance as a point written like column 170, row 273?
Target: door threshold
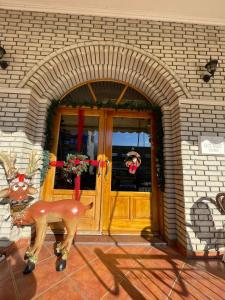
column 119, row 240
column 116, row 240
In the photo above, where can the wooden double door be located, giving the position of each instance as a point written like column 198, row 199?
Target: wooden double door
column 123, row 202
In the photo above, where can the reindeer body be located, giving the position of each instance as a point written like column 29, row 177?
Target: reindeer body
column 40, row 213
column 61, row 210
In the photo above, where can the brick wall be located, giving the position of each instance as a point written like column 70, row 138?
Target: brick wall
column 21, row 131
column 203, row 175
column 169, row 173
column 165, row 60
column 28, row 37
column 22, row 121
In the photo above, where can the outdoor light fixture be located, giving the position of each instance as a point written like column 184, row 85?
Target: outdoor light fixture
column 210, row 69
column 3, row 63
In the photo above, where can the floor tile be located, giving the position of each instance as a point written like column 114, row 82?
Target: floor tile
column 44, row 253
column 122, row 293
column 188, row 291
column 104, row 272
column 62, row 291
column 43, row 277
column 95, row 280
column 16, row 261
column 150, row 284
column 4, row 270
column 204, row 282
column 78, row 258
column 214, row 266
column 160, row 265
column 7, row 291
column 120, row 260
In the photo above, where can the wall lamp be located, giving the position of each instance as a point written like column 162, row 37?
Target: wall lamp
column 210, row 69
column 3, row 63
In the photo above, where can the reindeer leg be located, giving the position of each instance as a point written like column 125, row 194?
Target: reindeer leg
column 71, row 226
column 34, row 251
column 28, row 253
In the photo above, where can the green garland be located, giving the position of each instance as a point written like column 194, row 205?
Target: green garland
column 106, row 104
column 77, row 169
column 159, row 149
column 45, row 165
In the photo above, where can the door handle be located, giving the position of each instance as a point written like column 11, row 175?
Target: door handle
column 107, row 167
column 99, row 168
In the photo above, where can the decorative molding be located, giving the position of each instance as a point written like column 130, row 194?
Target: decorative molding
column 68, row 67
column 200, row 101
column 115, row 13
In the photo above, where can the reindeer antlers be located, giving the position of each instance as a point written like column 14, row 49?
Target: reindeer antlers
column 8, row 160
column 33, row 164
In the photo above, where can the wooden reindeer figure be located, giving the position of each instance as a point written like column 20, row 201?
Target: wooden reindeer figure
column 19, row 193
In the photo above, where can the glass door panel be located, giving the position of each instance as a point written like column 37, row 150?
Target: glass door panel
column 131, row 135
column 128, row 200
column 122, row 201
column 67, row 144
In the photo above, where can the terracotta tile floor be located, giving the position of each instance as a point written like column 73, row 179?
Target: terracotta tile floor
column 97, row 271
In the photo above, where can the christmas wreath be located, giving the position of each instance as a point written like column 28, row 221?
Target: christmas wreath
column 132, row 161
column 76, row 164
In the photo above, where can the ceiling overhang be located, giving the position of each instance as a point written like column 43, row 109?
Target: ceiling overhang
column 192, row 11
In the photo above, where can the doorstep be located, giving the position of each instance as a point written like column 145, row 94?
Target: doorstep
column 112, row 240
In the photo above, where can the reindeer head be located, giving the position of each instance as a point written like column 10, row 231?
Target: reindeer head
column 19, row 184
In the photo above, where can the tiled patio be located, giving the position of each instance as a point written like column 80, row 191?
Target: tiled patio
column 98, row 271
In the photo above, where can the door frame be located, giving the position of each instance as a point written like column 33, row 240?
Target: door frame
column 48, row 192
column 48, row 185
column 154, row 198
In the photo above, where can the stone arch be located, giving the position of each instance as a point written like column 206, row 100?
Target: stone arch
column 66, row 68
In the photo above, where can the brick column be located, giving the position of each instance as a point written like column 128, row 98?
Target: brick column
column 22, row 126
column 203, row 175
column 169, row 199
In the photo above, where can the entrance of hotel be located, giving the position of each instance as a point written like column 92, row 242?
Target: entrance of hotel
column 122, row 200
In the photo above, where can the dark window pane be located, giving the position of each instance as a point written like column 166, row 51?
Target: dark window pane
column 68, row 144
column 107, row 90
column 80, row 95
column 131, row 134
column 132, row 96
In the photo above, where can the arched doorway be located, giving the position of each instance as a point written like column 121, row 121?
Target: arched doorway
column 122, row 200
column 73, row 65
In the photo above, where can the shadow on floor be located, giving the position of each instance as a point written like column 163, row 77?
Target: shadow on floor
column 112, row 272
column 138, row 275
column 11, row 275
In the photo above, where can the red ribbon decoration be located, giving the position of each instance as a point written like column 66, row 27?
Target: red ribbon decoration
column 94, row 163
column 57, row 164
column 132, row 168
column 80, row 126
column 76, row 192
